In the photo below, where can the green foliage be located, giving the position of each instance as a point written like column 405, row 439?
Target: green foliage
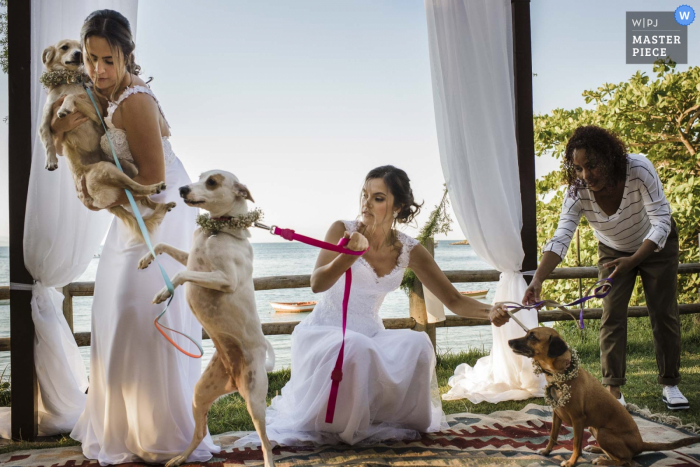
column 3, row 36
column 5, row 387
column 656, row 117
column 438, row 223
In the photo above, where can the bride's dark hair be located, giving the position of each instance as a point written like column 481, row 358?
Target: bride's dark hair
column 400, row 186
column 113, row 27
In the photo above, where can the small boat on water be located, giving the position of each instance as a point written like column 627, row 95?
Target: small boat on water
column 475, row 293
column 293, row 307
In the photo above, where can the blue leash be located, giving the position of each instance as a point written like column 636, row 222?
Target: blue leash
column 147, row 239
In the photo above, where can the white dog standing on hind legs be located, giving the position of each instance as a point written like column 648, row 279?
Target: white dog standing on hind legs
column 220, row 292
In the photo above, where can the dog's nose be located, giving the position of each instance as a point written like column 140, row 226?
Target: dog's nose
column 184, row 190
column 77, row 55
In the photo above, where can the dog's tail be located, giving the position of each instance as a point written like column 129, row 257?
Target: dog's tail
column 270, row 362
column 672, row 445
column 152, row 221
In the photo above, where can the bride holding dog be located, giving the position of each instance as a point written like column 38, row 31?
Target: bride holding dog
column 140, row 396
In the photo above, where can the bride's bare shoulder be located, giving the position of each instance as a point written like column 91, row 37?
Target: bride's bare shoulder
column 137, row 81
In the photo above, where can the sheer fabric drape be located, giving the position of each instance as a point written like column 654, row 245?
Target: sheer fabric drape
column 471, row 59
column 60, row 234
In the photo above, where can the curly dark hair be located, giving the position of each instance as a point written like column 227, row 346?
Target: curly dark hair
column 400, row 186
column 604, row 150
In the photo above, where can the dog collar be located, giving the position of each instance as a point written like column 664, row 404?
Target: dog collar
column 558, row 381
column 214, row 225
column 51, row 79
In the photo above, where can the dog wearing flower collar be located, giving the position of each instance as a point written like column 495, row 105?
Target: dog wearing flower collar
column 580, row 400
column 220, row 292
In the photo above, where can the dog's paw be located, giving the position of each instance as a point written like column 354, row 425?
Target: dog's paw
column 568, row 463
column 171, row 206
column 51, row 164
column 544, row 452
column 146, row 260
column 158, row 187
column 602, row 460
column 175, row 461
column 162, row 296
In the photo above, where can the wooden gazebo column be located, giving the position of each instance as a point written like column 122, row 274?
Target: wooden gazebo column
column 24, row 385
column 524, row 130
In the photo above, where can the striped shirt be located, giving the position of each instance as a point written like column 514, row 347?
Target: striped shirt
column 644, row 213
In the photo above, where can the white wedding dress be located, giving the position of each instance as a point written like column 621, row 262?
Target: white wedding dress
column 139, row 404
column 389, row 389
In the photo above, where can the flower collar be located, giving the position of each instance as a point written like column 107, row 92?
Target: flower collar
column 213, row 225
column 51, row 79
column 558, row 381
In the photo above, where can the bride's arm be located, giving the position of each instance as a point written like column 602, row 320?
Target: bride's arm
column 432, row 277
column 331, row 265
column 141, row 119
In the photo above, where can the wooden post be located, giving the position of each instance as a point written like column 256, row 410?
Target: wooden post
column 24, row 386
column 68, row 306
column 524, row 131
column 416, row 303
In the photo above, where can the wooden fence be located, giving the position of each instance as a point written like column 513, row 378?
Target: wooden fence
column 417, row 318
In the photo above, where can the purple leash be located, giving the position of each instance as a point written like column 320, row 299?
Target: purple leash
column 598, row 290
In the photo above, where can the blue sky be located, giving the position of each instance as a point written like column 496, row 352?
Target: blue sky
column 302, row 98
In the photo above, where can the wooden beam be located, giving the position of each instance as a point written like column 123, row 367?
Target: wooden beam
column 524, row 131
column 24, row 385
column 451, row 321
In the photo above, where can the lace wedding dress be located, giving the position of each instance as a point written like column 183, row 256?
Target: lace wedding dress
column 139, row 404
column 389, row 389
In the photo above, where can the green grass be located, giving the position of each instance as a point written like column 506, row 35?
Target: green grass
column 230, row 414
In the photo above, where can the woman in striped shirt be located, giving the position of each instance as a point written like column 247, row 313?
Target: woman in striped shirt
column 622, row 198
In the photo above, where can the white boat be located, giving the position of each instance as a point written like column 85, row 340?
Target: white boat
column 293, row 307
column 476, row 293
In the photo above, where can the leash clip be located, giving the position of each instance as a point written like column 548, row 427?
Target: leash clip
column 260, row 225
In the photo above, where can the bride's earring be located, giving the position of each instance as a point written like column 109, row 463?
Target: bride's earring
column 396, row 214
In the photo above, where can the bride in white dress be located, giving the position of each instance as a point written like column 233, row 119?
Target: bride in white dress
column 389, row 387
column 140, row 397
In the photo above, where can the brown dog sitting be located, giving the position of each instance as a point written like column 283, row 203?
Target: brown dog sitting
column 580, row 400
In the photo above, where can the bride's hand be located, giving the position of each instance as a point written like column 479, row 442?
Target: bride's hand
column 498, row 315
column 59, row 126
column 357, row 242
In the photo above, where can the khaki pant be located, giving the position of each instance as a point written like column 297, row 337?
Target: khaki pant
column 659, row 273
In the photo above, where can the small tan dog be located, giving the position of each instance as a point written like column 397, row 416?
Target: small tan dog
column 220, row 292
column 81, row 146
column 590, row 405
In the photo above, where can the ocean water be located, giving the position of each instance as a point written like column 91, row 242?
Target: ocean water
column 278, row 259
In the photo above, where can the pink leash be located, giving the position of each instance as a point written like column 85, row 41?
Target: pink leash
column 337, row 374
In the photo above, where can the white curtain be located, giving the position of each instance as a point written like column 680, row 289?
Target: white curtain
column 471, row 61
column 60, row 234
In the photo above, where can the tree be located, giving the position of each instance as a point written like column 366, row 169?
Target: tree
column 3, row 36
column 659, row 118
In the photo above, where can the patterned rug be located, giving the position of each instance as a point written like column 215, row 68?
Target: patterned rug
column 507, row 438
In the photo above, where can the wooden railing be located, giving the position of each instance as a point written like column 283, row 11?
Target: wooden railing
column 418, row 315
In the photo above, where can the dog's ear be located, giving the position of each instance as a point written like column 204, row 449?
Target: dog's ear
column 242, row 191
column 48, row 54
column 557, row 347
